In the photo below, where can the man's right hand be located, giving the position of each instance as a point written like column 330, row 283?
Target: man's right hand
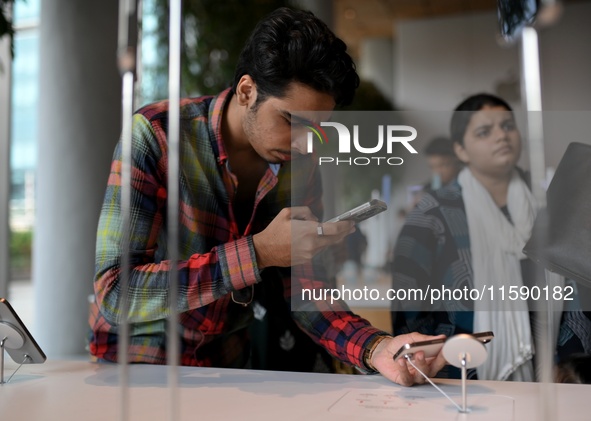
column 292, row 238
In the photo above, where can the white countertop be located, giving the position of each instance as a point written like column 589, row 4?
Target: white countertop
column 84, row 391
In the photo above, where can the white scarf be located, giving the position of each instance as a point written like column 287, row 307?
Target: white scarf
column 496, row 246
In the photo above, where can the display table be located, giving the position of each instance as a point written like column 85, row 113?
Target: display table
column 80, row 390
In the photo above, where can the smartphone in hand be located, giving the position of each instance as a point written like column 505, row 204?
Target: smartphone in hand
column 362, row 212
column 432, row 347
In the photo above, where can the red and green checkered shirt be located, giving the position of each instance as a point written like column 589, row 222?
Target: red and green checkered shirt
column 216, row 258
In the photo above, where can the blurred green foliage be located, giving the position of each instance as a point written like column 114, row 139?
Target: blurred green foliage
column 21, row 246
column 214, row 32
column 5, row 22
column 6, row 27
column 368, row 98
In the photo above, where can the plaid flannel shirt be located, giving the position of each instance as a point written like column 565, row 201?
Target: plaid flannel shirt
column 215, row 258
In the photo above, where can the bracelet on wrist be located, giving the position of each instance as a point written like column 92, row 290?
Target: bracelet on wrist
column 370, row 350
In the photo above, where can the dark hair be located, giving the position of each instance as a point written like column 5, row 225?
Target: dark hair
column 294, row 45
column 575, row 369
column 463, row 113
column 440, row 146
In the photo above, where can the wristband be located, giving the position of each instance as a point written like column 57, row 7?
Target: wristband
column 370, row 350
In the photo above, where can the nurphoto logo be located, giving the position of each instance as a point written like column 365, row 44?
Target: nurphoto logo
column 388, row 136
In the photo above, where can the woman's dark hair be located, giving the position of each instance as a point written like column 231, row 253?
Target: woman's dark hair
column 463, row 113
column 293, row 45
column 575, row 369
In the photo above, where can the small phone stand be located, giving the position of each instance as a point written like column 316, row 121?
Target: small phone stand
column 16, row 341
column 10, row 338
column 464, row 351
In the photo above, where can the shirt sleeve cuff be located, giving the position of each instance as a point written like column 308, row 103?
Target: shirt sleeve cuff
column 239, row 264
column 367, row 338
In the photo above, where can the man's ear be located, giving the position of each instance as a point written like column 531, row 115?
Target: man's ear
column 246, row 91
column 461, row 153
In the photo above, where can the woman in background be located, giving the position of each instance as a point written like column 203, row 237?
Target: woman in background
column 470, row 234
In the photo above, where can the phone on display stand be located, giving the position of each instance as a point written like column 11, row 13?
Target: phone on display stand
column 432, row 347
column 20, row 344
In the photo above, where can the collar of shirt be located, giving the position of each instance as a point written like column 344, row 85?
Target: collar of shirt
column 216, row 110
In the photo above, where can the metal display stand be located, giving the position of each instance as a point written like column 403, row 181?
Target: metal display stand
column 16, row 340
column 464, row 351
column 11, row 338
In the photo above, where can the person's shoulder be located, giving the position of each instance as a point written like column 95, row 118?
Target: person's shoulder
column 432, row 201
column 450, row 193
column 189, row 108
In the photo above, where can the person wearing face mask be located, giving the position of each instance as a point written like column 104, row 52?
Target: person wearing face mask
column 470, row 234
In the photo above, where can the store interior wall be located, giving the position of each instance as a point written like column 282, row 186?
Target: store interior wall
column 440, row 61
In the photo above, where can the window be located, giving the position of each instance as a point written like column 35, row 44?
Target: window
column 23, row 152
column 25, row 84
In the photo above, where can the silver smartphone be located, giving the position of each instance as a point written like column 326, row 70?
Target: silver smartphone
column 29, row 352
column 362, row 212
column 432, row 347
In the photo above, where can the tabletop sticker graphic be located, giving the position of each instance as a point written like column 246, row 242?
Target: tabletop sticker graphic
column 420, row 405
